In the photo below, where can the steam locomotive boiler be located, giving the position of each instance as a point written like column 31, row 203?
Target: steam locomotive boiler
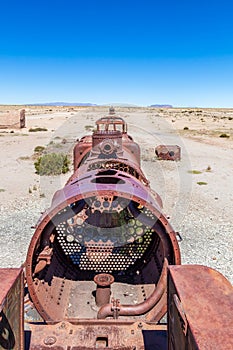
column 99, row 255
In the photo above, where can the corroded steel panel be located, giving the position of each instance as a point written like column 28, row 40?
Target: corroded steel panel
column 12, row 119
column 11, row 312
column 200, row 306
column 88, row 335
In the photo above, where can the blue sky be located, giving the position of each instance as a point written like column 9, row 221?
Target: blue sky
column 142, row 52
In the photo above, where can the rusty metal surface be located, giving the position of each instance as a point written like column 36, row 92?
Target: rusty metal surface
column 12, row 119
column 81, row 150
column 106, row 220
column 90, row 252
column 200, row 309
column 92, row 335
column 22, row 119
column 103, row 288
column 168, row 152
column 138, row 309
column 11, row 309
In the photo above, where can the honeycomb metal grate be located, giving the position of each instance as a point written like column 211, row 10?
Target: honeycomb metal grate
column 104, row 256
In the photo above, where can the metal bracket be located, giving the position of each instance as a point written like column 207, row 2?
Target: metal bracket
column 115, row 308
column 178, row 235
column 181, row 313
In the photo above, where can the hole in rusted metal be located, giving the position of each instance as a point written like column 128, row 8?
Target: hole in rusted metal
column 101, row 342
column 107, row 180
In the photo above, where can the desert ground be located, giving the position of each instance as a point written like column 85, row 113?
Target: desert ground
column 197, row 192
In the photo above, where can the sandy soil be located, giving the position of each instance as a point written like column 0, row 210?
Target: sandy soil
column 202, row 213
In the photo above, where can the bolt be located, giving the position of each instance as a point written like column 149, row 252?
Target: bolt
column 140, row 325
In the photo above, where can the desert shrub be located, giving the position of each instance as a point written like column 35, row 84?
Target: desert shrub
column 24, row 158
column 201, row 183
column 89, row 127
column 195, row 172
column 52, row 164
column 39, row 149
column 224, row 135
column 37, row 129
column 186, row 128
column 230, row 118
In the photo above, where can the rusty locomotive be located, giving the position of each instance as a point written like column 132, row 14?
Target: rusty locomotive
column 103, row 266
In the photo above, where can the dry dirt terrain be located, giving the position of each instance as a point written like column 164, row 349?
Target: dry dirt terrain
column 197, row 192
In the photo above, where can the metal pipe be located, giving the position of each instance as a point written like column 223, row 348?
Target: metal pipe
column 142, row 308
column 103, row 288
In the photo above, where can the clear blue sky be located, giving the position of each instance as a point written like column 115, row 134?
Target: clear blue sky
column 178, row 52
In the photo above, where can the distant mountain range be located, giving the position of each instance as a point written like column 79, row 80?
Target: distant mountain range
column 161, row 106
column 93, row 104
column 61, row 104
column 81, row 104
